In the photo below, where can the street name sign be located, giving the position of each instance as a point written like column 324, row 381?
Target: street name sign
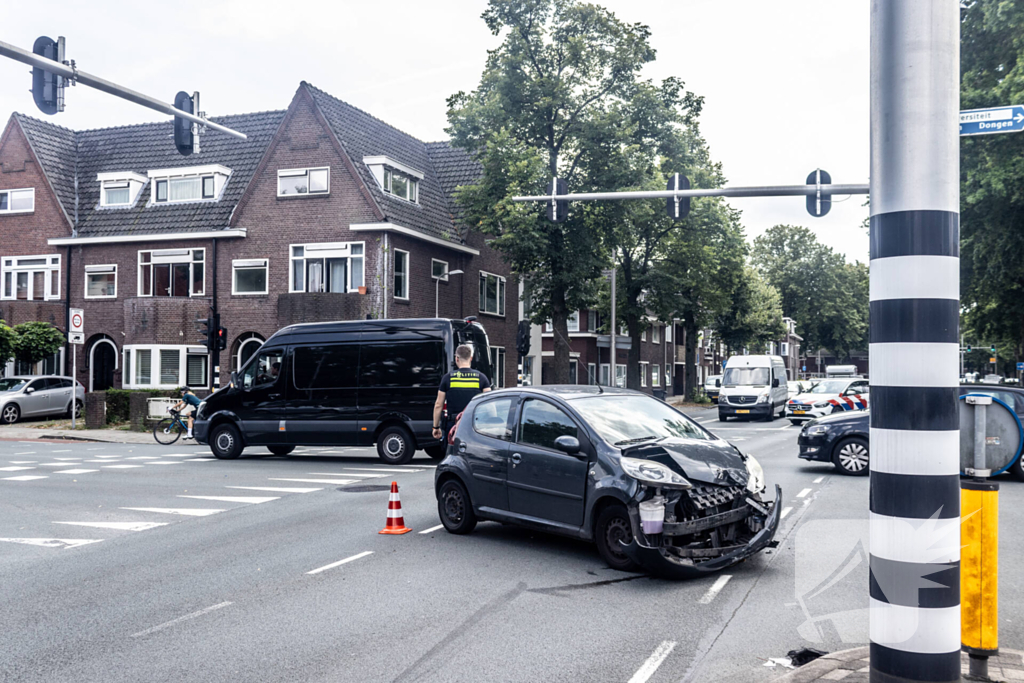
column 992, row 120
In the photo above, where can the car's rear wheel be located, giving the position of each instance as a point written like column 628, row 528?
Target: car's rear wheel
column 10, row 414
column 436, row 452
column 611, row 531
column 226, row 441
column 280, row 450
column 851, row 456
column 395, row 445
column 455, row 508
column 78, row 410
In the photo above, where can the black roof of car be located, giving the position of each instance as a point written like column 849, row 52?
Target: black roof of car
column 568, row 392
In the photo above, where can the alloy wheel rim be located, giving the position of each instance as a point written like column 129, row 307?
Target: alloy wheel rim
column 616, row 531
column 853, row 457
column 9, row 413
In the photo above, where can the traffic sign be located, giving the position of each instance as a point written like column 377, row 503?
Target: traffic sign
column 77, row 320
column 991, row 360
column 76, row 338
column 1020, row 366
column 993, row 120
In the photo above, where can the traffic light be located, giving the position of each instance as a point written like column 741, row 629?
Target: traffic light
column 183, row 138
column 523, row 338
column 968, row 348
column 678, row 207
column 993, row 347
column 207, row 328
column 48, row 87
column 222, row 337
column 558, row 210
column 819, row 205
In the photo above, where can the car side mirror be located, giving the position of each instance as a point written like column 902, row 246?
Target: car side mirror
column 718, row 382
column 30, row 390
column 568, row 444
column 775, row 382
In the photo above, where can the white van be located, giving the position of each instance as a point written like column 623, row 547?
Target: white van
column 753, row 386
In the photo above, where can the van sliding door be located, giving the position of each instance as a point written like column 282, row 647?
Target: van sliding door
column 323, row 407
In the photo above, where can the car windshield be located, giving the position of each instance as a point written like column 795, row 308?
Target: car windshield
column 745, row 376
column 12, row 383
column 632, row 419
column 830, row 387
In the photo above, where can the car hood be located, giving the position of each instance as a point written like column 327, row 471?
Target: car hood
column 813, row 398
column 704, row 460
column 841, row 417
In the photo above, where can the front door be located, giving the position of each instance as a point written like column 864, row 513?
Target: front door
column 37, row 398
column 103, row 357
column 261, row 406
column 544, row 482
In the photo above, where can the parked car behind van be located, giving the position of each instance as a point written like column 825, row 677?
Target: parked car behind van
column 753, row 386
column 35, row 396
column 356, row 383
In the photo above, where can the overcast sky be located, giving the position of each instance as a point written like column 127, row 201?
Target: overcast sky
column 785, row 83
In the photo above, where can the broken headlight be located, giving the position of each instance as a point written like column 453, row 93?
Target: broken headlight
column 653, row 474
column 755, row 479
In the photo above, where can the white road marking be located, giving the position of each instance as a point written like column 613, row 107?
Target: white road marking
column 66, row 450
column 785, row 511
column 66, row 459
column 75, row 471
column 119, row 526
column 347, row 474
column 200, row 459
column 273, row 488
column 818, row 480
column 164, row 462
column 648, row 668
column 143, row 457
column 107, row 457
column 715, row 589
column 24, row 477
column 341, row 562
column 248, row 500
column 433, row 528
column 177, row 455
column 15, row 469
column 379, row 469
column 187, row 617
column 188, row 512
column 22, row 462
column 98, row 448
column 26, row 453
column 108, row 460
column 53, row 464
column 52, row 542
column 319, row 481
column 119, row 467
column 803, row 493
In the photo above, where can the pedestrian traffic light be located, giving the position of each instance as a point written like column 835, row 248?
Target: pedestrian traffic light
column 183, row 137
column 48, row 87
column 558, row 210
column 818, row 204
column 678, row 207
column 222, row 337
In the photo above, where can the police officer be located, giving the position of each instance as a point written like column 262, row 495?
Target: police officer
column 458, row 388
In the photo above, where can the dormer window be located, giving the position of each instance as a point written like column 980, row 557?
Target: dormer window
column 194, row 184
column 395, row 178
column 120, row 189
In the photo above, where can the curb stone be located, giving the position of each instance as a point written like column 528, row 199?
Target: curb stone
column 851, row 666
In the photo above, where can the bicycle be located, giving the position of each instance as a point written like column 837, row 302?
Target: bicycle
column 170, row 429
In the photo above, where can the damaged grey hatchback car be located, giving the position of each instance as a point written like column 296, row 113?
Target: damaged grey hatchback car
column 648, row 485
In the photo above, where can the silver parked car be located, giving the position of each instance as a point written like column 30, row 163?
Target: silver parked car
column 38, row 396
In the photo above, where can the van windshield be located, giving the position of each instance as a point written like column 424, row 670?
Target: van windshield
column 745, row 377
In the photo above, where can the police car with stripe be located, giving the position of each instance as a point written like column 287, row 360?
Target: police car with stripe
column 829, row 396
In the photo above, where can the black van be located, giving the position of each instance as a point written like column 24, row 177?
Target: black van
column 353, row 383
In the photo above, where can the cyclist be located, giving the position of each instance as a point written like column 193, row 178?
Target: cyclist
column 187, row 405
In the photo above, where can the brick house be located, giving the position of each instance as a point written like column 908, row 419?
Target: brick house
column 324, row 213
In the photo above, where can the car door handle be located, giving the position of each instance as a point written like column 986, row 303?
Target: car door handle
column 516, row 459
column 274, row 397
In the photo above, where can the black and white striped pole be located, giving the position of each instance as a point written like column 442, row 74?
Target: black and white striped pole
column 914, row 344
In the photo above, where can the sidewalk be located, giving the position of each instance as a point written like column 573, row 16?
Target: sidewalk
column 17, row 433
column 851, row 666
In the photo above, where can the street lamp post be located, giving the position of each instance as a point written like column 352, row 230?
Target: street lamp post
column 437, row 288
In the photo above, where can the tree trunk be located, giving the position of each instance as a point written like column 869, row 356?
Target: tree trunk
column 690, row 325
column 560, row 323
column 633, row 356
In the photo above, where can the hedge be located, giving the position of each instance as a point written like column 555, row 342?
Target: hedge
column 118, row 402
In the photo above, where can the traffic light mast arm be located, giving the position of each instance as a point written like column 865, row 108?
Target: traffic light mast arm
column 763, row 191
column 74, row 75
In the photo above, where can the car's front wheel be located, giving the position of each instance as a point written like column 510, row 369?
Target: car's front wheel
column 280, row 450
column 226, row 441
column 850, row 456
column 722, row 418
column 455, row 508
column 10, row 414
column 611, row 531
column 395, row 445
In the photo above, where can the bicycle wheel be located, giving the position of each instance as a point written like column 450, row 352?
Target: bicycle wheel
column 167, row 431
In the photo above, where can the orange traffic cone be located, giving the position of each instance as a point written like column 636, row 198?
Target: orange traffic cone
column 396, row 523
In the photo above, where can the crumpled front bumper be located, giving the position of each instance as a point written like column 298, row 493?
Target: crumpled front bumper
column 652, row 558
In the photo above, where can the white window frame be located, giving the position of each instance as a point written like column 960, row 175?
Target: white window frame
column 668, row 333
column 250, row 264
column 154, row 365
column 293, row 172
column 165, row 253
column 592, row 377
column 443, row 278
column 241, row 345
column 103, row 269
column 10, row 200
column 405, row 274
column 656, row 334
column 668, row 375
column 591, row 320
column 643, row 336
column 784, row 349
column 412, row 185
column 620, row 376
column 573, row 321
column 574, row 371
column 10, row 265
column 656, row 375
column 326, row 250
column 502, row 284
column 644, row 369
column 498, row 353
column 604, row 378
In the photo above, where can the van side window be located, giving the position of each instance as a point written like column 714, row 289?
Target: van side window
column 264, row 370
column 329, row 366
column 416, row 364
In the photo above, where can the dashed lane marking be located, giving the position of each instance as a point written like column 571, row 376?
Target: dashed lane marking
column 66, row 459
column 164, row 462
column 803, row 493
column 647, row 669
column 187, row 617
column 15, row 469
column 200, row 459
column 52, row 542
column 341, row 562
column 340, row 482
column 818, row 480
column 715, row 589
column 432, row 529
column 53, row 464
column 65, row 450
column 143, row 457
column 273, row 489
column 119, row 526
column 26, row 453
column 248, row 500
column 75, row 471
column 785, row 511
column 22, row 462
column 119, row 467
column 347, row 474
column 25, row 477
column 379, row 469
column 188, row 512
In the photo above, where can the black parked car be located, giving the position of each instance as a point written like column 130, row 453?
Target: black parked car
column 583, row 460
column 843, row 438
column 354, row 383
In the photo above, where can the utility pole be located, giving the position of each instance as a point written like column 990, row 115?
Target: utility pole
column 914, row 623
column 612, row 375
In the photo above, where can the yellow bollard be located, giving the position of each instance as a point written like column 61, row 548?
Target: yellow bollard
column 979, row 570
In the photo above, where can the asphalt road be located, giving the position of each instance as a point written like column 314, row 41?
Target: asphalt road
column 129, row 563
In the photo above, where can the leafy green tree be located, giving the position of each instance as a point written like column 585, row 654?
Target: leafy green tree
column 755, row 315
column 7, row 342
column 36, row 341
column 548, row 104
column 992, row 178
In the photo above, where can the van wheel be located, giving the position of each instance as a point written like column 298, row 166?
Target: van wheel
column 722, row 418
column 280, row 450
column 613, row 526
column 395, row 445
column 455, row 508
column 226, row 442
column 436, row 452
